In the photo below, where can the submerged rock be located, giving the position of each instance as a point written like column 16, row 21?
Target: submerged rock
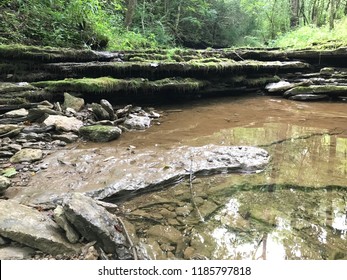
column 96, row 224
column 32, row 228
column 167, row 235
column 100, row 133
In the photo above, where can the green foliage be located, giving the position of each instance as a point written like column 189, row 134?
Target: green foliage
column 138, row 24
column 310, row 35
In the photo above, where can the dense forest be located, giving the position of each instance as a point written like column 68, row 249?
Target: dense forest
column 129, row 24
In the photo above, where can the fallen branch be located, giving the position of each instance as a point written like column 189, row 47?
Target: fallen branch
column 300, row 138
column 191, row 178
column 129, row 239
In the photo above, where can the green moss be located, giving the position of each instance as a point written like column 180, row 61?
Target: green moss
column 138, row 58
column 45, row 54
column 261, row 81
column 100, row 133
column 316, row 89
column 108, row 85
column 89, row 85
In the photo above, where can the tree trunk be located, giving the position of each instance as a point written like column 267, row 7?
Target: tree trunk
column 294, row 18
column 130, row 11
column 332, row 14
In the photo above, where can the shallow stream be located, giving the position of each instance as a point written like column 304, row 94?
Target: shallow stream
column 295, row 209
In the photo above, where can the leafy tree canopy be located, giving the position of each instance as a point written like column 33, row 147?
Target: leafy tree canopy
column 129, row 24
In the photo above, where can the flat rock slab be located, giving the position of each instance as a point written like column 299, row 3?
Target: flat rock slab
column 180, row 163
column 331, row 90
column 121, row 173
column 32, row 228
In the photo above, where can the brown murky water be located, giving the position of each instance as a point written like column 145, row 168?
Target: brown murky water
column 295, row 209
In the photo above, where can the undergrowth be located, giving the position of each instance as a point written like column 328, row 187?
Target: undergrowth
column 317, row 37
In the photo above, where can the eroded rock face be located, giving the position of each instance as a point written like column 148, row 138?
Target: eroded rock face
column 96, row 224
column 32, row 228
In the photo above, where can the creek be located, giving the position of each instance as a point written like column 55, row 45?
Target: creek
column 295, row 209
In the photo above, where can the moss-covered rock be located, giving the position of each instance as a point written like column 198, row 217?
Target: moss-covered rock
column 50, row 54
column 100, row 133
column 111, row 85
column 331, row 90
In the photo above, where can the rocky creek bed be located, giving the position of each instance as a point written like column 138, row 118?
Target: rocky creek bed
column 51, row 100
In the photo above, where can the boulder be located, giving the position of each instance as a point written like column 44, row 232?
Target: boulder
column 96, row 224
column 137, row 122
column 99, row 112
column 32, row 228
column 63, row 123
column 100, row 133
column 73, row 102
column 108, row 108
column 26, row 154
column 4, row 183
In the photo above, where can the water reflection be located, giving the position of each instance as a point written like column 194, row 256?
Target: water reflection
column 289, row 225
column 295, row 209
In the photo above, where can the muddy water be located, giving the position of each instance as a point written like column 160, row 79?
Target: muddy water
column 295, row 209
